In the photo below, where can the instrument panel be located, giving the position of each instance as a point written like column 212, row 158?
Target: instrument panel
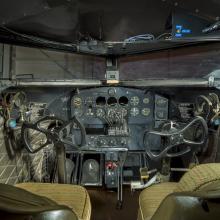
column 118, row 116
column 93, row 104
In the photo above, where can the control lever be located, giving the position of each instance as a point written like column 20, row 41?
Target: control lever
column 57, row 136
column 175, row 137
column 122, row 155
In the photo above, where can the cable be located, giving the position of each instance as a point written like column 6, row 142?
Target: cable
column 213, row 105
column 146, row 37
column 37, row 39
column 142, row 37
column 163, row 35
column 200, row 108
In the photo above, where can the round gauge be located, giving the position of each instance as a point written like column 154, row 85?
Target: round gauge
column 161, row 102
column 123, row 100
column 160, row 114
column 77, row 102
column 146, row 100
column 112, row 91
column 100, row 113
column 134, row 100
column 134, row 112
column 145, row 112
column 112, row 101
column 100, row 101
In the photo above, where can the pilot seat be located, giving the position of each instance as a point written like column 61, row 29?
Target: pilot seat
column 195, row 196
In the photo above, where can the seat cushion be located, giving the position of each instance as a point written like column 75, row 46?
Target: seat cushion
column 199, row 177
column 151, row 197
column 196, row 179
column 73, row 196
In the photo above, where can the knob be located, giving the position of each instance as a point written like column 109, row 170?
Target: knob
column 101, row 142
column 112, row 142
column 123, row 142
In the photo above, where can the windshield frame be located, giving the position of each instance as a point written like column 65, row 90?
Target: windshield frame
column 100, row 48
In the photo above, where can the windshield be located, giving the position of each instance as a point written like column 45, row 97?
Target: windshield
column 189, row 62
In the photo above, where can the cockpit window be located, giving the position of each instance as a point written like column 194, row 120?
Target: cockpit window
column 32, row 63
column 188, row 62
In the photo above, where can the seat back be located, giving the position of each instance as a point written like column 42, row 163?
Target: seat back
column 16, row 203
column 46, row 215
column 198, row 177
column 200, row 205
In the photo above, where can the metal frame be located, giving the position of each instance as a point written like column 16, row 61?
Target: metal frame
column 200, row 82
column 5, row 64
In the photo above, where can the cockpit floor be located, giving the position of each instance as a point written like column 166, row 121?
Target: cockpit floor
column 104, row 205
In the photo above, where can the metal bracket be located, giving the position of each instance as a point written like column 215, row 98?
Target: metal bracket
column 112, row 72
column 214, row 79
column 211, row 81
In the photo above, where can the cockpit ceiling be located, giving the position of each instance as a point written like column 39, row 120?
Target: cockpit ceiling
column 107, row 20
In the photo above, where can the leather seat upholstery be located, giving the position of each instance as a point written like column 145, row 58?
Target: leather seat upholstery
column 73, row 196
column 196, row 179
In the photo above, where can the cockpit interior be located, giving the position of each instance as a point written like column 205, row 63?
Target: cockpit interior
column 106, row 117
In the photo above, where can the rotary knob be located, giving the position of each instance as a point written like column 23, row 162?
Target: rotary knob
column 112, row 142
column 123, row 142
column 101, row 142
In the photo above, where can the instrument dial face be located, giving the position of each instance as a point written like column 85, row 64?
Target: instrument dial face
column 77, row 102
column 146, row 100
column 112, row 91
column 145, row 112
column 161, row 114
column 134, row 100
column 161, row 102
column 134, row 112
